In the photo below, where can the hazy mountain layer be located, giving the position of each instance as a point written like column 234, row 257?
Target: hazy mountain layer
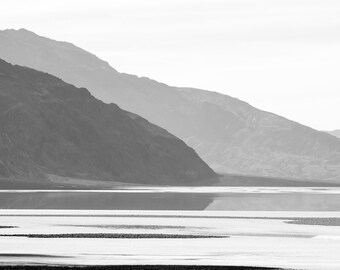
column 49, row 127
column 335, row 133
column 229, row 134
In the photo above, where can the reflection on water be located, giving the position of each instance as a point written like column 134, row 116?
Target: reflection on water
column 277, row 202
column 104, row 201
column 178, row 198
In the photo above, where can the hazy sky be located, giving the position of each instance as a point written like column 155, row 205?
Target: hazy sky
column 279, row 55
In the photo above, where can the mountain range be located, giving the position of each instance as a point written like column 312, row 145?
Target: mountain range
column 49, row 128
column 229, row 134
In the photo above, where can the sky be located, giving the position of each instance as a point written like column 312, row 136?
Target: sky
column 281, row 56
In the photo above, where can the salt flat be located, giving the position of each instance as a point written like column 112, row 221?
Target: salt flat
column 253, row 238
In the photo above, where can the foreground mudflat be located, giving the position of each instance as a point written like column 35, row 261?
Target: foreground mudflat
column 278, row 239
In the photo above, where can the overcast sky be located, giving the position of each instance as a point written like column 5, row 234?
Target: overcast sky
column 279, row 55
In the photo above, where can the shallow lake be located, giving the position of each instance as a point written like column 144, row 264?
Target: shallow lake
column 178, row 198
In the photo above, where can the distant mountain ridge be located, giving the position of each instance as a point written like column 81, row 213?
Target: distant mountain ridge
column 229, row 134
column 335, row 133
column 49, row 127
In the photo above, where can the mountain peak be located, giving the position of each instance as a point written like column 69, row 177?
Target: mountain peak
column 65, row 53
column 24, row 30
column 19, row 31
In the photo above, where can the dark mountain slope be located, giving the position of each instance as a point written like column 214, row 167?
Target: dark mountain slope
column 229, row 134
column 50, row 127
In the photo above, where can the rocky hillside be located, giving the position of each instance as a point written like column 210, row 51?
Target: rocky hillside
column 49, row 127
column 263, row 143
column 229, row 134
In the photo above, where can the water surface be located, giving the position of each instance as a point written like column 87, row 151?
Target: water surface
column 177, row 198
